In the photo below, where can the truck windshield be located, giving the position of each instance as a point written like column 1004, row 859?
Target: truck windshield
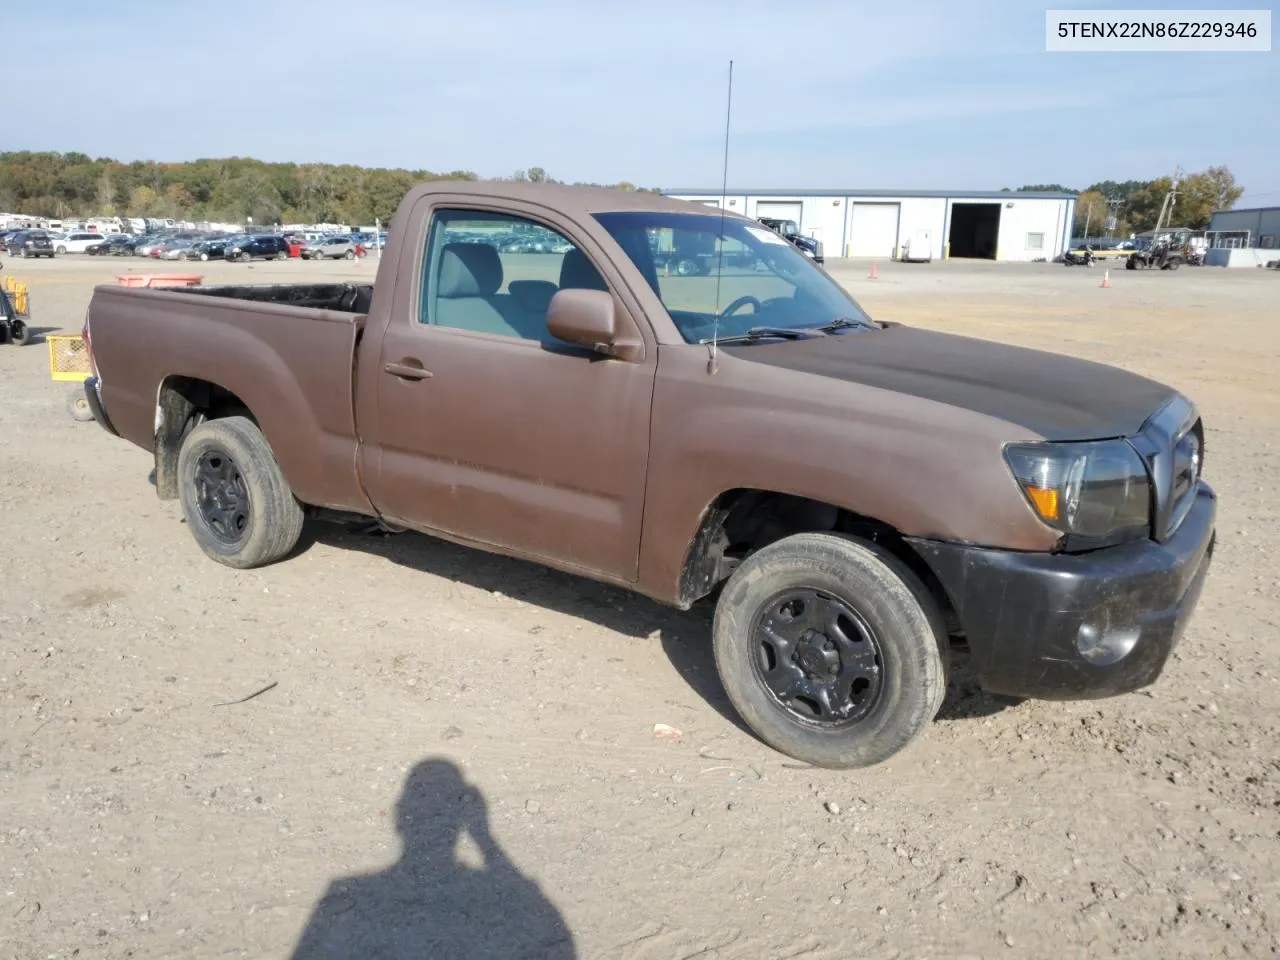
column 703, row 267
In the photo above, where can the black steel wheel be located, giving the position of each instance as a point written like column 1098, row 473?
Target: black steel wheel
column 234, row 496
column 831, row 649
column 818, row 657
column 222, row 497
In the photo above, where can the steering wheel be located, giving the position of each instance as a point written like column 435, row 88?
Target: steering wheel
column 739, row 304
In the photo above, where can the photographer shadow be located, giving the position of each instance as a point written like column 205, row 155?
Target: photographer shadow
column 429, row 904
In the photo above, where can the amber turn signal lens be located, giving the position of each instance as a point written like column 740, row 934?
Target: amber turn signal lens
column 1045, row 501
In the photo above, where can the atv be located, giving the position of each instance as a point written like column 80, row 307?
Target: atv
column 1161, row 254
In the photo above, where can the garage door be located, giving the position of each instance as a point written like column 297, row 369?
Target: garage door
column 780, row 210
column 873, row 230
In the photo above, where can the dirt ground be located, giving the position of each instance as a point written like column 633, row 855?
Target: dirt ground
column 498, row 719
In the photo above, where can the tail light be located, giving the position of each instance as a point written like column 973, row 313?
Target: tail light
column 88, row 345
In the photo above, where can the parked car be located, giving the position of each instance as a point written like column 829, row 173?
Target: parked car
column 330, row 248
column 214, row 248
column 852, row 490
column 790, row 230
column 149, row 244
column 117, row 245
column 245, row 249
column 29, row 243
column 176, row 250
column 76, row 242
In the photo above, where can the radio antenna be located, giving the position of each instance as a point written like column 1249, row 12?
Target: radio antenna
column 724, row 190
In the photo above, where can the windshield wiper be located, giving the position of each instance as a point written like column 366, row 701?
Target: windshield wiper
column 758, row 333
column 843, row 323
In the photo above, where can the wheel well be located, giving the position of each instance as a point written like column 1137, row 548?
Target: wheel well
column 740, row 522
column 183, row 403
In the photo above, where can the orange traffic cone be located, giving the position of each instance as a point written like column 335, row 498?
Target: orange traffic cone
column 1106, row 279
column 872, row 274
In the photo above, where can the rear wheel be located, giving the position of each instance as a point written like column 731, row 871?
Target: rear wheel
column 282, row 255
column 831, row 650
column 349, row 255
column 234, row 496
column 19, row 333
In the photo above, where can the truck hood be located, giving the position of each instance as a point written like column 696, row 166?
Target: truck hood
column 1057, row 397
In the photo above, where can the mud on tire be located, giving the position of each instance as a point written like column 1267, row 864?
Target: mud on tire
column 831, row 650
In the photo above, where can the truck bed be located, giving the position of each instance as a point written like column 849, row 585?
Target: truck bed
column 284, row 351
column 342, row 297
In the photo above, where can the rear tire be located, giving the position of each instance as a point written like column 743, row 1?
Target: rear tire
column 19, row 333
column 349, row 255
column 886, row 617
column 234, row 496
column 282, row 255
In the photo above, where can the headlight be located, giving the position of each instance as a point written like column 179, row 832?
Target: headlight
column 1099, row 492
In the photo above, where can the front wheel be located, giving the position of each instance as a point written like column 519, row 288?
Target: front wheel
column 831, row 650
column 19, row 333
column 246, row 257
column 282, row 254
column 234, row 496
column 62, row 249
column 349, row 255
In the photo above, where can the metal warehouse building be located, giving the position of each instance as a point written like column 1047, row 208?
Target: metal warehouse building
column 878, row 223
column 1254, row 227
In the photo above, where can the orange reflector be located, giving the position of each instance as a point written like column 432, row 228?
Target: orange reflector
column 1046, row 501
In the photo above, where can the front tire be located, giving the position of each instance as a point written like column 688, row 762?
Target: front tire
column 234, row 496
column 831, row 650
column 349, row 255
column 19, row 333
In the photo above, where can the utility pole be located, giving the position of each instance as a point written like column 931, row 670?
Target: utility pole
column 1114, row 204
column 1170, row 200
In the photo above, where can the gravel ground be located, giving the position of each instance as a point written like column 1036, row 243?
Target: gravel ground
column 459, row 749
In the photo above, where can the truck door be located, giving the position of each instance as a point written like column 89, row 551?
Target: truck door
column 487, row 428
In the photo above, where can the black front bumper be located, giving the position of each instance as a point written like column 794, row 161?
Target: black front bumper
column 1076, row 626
column 93, row 395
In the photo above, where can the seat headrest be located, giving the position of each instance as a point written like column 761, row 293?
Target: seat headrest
column 469, row 270
column 577, row 273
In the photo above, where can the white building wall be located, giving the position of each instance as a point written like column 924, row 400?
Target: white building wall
column 734, row 202
column 829, row 219
column 822, row 218
column 1021, row 221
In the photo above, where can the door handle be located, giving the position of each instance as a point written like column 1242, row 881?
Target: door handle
column 408, row 371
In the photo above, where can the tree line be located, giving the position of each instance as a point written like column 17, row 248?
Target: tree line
column 229, row 190
column 1136, row 204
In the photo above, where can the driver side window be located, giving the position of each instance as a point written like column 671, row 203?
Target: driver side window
column 496, row 273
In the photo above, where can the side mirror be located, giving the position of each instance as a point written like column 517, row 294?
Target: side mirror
column 587, row 318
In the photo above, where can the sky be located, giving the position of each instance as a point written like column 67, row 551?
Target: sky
column 848, row 95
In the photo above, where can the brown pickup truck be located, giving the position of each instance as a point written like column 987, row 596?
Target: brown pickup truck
column 524, row 377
